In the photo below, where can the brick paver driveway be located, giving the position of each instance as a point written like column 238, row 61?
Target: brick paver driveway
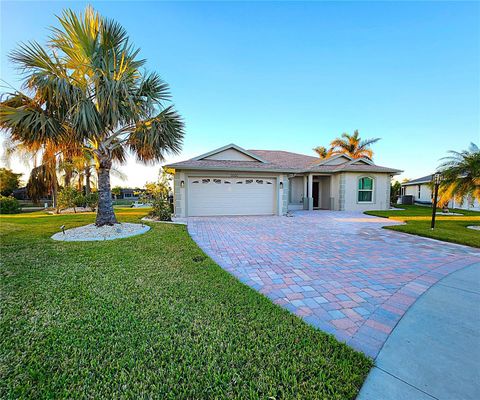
column 339, row 271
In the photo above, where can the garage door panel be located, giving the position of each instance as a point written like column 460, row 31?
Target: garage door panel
column 231, row 196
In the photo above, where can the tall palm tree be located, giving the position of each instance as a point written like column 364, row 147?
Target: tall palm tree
column 353, row 146
column 87, row 86
column 460, row 175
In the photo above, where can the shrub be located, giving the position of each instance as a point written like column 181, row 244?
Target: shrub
column 68, row 198
column 161, row 210
column 79, row 200
column 91, row 200
column 9, row 205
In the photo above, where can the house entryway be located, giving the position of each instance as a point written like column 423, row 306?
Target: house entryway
column 321, row 193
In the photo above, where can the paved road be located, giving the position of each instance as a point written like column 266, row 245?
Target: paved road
column 434, row 352
column 339, row 271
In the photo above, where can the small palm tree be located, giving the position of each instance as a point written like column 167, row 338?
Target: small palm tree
column 322, row 152
column 460, row 175
column 353, row 146
column 88, row 86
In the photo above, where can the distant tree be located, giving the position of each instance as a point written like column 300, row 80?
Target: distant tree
column 395, row 189
column 159, row 189
column 9, row 181
column 460, row 175
column 353, row 146
column 116, row 191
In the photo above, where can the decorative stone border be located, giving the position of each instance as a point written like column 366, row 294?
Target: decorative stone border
column 88, row 233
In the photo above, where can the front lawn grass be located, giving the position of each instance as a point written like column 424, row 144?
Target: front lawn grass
column 447, row 228
column 150, row 317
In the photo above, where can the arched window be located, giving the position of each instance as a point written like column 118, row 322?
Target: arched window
column 365, row 190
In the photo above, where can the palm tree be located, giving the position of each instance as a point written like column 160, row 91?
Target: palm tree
column 460, row 175
column 322, row 152
column 353, row 146
column 87, row 86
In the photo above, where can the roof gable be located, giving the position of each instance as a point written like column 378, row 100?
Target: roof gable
column 230, row 152
column 361, row 161
column 335, row 160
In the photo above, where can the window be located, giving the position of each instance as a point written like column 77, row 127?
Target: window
column 195, row 182
column 248, row 181
column 205, row 180
column 217, row 181
column 419, row 191
column 365, row 190
column 227, row 182
column 259, row 181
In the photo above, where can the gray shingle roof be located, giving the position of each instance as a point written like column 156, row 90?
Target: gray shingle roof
column 280, row 161
column 423, row 179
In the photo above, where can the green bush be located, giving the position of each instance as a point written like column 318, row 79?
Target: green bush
column 79, row 200
column 161, row 210
column 91, row 200
column 9, row 205
column 68, row 198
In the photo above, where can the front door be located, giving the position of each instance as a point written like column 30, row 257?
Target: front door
column 315, row 194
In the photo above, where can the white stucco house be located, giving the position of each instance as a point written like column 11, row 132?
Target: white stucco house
column 234, row 181
column 421, row 191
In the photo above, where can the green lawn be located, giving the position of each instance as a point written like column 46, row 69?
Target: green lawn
column 150, row 317
column 447, row 228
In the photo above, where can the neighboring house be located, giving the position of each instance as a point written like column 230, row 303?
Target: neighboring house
column 421, row 191
column 234, row 181
column 128, row 194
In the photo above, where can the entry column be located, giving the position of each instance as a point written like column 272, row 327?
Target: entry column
column 310, row 192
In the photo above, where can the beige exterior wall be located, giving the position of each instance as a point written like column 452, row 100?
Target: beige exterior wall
column 335, row 192
column 381, row 192
column 295, row 195
column 339, row 192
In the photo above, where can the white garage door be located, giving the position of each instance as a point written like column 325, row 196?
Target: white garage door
column 231, row 196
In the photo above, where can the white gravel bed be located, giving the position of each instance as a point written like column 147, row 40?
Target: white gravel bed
column 90, row 232
column 474, row 227
column 449, row 213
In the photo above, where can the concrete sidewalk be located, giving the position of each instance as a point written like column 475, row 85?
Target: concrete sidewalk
column 434, row 352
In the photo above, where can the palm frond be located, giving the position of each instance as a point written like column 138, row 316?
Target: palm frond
column 155, row 137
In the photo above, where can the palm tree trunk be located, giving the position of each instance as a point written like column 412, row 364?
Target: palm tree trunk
column 80, row 183
column 87, row 180
column 105, row 214
column 55, row 196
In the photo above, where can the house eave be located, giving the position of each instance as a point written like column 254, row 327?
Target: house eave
column 276, row 170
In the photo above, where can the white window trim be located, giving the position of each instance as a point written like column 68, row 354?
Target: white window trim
column 366, row 190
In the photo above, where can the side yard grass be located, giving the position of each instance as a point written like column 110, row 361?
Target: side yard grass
column 150, row 317
column 447, row 228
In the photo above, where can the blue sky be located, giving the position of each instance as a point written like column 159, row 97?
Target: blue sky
column 293, row 75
